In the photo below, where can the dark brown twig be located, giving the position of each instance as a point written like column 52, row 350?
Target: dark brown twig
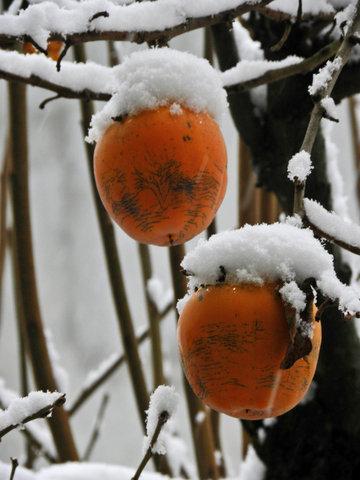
column 48, row 100
column 279, row 44
column 23, row 248
column 96, row 431
column 42, row 413
column 67, row 45
column 14, row 465
column 163, row 418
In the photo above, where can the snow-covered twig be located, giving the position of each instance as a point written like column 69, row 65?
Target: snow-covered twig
column 39, row 71
column 152, row 22
column 96, row 431
column 24, row 410
column 332, row 227
column 322, row 87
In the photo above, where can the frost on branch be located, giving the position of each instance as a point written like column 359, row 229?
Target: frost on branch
column 299, row 166
column 152, row 78
column 164, row 399
column 323, row 77
column 277, row 252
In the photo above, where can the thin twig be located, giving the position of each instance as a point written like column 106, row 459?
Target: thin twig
column 343, row 55
column 36, row 444
column 280, row 43
column 48, row 100
column 14, row 465
column 163, row 418
column 96, row 431
column 42, row 413
column 90, row 389
column 4, row 177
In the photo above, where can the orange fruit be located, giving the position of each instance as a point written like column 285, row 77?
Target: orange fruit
column 162, row 176
column 54, row 48
column 232, row 340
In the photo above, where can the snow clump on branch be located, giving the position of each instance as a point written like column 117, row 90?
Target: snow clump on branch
column 153, row 78
column 270, row 253
column 164, row 399
column 300, row 166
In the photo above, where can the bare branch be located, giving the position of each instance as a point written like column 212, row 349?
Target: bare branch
column 163, row 418
column 96, row 431
column 42, row 413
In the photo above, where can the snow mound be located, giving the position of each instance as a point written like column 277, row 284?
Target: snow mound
column 152, row 78
column 300, row 166
column 262, row 253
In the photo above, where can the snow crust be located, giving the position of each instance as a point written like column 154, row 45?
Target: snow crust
column 163, row 399
column 300, row 166
column 152, row 78
column 323, row 77
column 252, row 468
column 276, row 252
column 332, row 223
column 21, row 408
column 308, row 6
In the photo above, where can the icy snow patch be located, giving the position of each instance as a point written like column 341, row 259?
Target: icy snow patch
column 163, row 399
column 300, row 166
column 329, row 106
column 276, row 252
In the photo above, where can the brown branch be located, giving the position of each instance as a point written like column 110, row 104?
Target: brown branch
column 23, row 248
column 154, row 318
column 343, row 55
column 96, row 431
column 280, row 43
column 152, row 37
column 163, row 418
column 42, row 413
column 4, row 177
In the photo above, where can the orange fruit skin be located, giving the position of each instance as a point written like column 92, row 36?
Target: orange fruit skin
column 53, row 50
column 232, row 339
column 162, row 177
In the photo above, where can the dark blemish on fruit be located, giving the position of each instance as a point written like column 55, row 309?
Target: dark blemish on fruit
column 187, row 138
column 189, row 124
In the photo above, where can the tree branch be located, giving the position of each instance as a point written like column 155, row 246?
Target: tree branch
column 96, row 431
column 150, row 36
column 42, row 413
column 14, row 465
column 342, row 56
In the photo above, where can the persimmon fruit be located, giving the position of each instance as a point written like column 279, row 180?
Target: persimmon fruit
column 232, row 340
column 54, row 48
column 162, row 176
